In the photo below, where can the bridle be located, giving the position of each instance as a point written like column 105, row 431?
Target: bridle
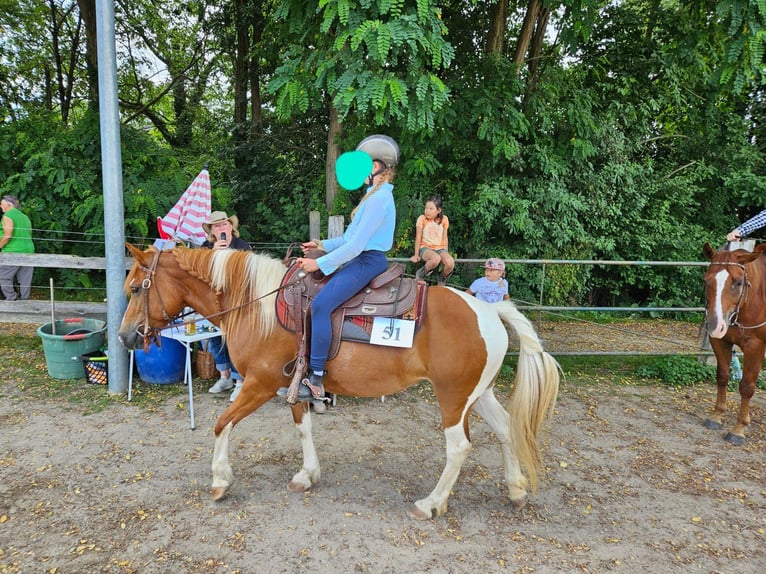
column 744, row 291
column 150, row 334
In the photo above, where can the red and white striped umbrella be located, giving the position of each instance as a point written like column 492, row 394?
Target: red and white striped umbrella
column 184, row 221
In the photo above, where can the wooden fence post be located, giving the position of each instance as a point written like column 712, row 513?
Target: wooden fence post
column 335, row 226
column 315, row 229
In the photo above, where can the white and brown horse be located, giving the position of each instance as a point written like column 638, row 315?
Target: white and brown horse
column 460, row 349
column 735, row 309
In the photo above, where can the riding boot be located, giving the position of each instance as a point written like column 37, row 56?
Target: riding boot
column 311, row 388
column 443, row 278
column 420, row 274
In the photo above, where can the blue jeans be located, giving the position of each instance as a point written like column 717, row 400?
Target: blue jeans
column 342, row 285
column 220, row 352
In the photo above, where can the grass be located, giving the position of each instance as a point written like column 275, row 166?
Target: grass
column 24, row 365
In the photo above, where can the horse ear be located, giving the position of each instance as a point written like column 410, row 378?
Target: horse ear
column 135, row 251
column 708, row 251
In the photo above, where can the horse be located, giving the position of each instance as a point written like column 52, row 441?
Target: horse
column 460, row 348
column 735, row 314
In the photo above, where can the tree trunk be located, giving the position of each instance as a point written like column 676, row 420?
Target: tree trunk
column 332, row 156
column 538, row 40
column 241, row 60
column 497, row 20
column 525, row 36
column 88, row 13
column 258, row 25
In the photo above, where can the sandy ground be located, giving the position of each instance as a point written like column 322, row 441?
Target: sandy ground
column 633, row 483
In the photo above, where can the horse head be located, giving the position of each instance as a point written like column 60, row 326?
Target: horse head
column 158, row 289
column 728, row 281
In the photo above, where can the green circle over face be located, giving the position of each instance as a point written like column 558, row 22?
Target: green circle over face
column 352, row 168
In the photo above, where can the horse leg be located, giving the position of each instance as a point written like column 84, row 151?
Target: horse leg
column 490, row 409
column 722, row 351
column 250, row 398
column 752, row 367
column 458, row 447
column 309, row 473
column 223, row 475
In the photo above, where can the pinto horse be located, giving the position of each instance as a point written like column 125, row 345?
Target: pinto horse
column 459, row 348
column 735, row 314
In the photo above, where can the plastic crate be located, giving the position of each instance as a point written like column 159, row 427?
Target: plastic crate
column 96, row 367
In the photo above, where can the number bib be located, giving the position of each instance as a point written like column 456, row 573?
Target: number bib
column 392, row 332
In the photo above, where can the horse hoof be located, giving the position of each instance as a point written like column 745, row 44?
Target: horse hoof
column 416, row 514
column 734, row 439
column 712, row 425
column 297, row 487
column 219, row 493
column 520, row 503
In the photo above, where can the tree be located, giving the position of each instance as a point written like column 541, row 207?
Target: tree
column 379, row 60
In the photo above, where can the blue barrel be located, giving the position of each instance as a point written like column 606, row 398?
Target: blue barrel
column 162, row 365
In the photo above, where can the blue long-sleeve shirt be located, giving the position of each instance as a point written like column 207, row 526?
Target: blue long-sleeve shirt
column 755, row 222
column 372, row 229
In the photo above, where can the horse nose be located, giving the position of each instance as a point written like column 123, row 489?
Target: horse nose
column 717, row 328
column 128, row 340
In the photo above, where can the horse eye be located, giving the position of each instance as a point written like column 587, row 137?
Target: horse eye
column 134, row 289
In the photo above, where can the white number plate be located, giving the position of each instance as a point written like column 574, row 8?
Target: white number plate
column 392, row 332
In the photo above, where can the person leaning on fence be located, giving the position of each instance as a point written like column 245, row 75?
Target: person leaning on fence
column 223, row 233
column 744, row 229
column 17, row 238
column 491, row 288
column 432, row 242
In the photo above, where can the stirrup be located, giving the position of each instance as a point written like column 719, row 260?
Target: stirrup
column 311, row 388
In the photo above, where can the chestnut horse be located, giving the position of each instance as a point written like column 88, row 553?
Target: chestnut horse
column 460, row 349
column 735, row 314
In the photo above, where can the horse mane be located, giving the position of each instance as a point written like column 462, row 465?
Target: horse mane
column 246, row 278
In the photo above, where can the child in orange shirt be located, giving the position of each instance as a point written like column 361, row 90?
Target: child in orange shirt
column 431, row 242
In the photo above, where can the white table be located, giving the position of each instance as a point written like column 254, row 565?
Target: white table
column 177, row 333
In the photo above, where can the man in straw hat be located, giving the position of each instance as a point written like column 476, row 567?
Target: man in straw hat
column 223, row 233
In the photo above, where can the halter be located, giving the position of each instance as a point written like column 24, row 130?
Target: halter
column 744, row 291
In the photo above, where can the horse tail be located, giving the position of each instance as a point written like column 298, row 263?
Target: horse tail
column 534, row 392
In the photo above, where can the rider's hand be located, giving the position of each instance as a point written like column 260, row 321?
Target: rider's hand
column 308, row 246
column 734, row 236
column 308, row 265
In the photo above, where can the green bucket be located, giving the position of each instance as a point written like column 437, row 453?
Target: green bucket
column 74, row 337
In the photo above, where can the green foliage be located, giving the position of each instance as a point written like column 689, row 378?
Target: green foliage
column 636, row 135
column 375, row 59
column 678, row 371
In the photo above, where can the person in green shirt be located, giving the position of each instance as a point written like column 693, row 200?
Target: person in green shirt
column 17, row 238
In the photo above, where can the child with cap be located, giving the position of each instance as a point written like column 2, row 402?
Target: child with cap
column 491, row 288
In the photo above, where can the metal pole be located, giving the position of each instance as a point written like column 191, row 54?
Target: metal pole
column 114, row 222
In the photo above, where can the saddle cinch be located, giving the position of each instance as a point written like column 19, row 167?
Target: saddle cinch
column 390, row 294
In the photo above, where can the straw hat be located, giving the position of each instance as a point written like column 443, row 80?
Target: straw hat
column 218, row 217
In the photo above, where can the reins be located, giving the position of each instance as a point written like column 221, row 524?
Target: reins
column 150, row 333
